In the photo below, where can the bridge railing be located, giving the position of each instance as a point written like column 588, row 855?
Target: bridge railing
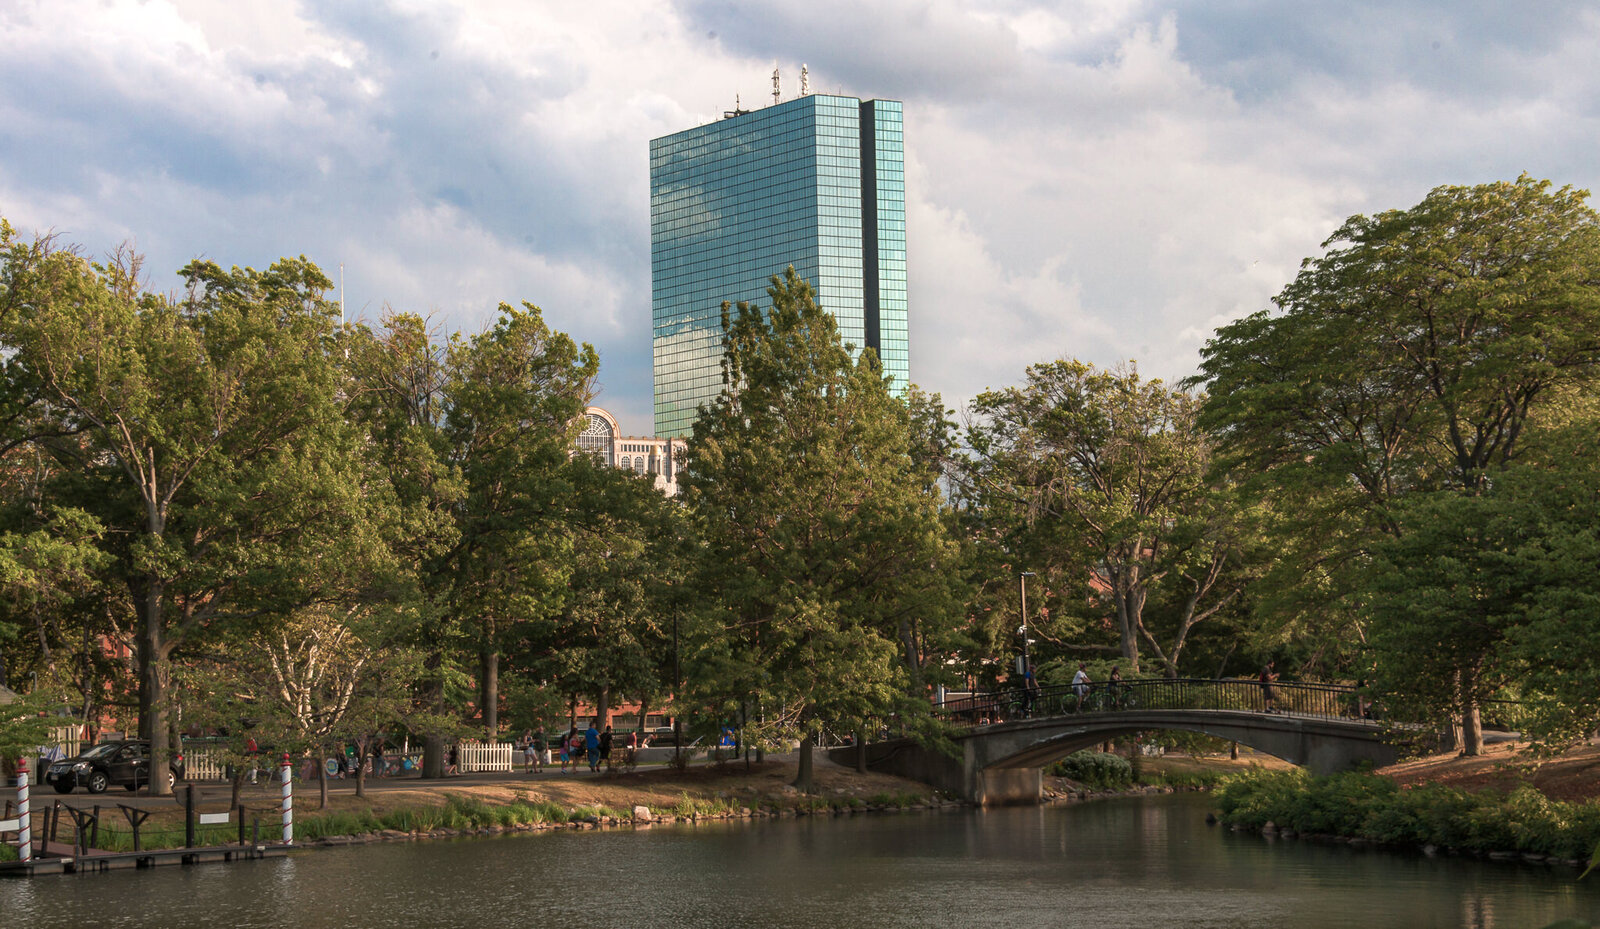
column 1333, row 701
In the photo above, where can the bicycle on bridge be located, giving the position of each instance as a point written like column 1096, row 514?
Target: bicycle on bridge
column 1328, row 701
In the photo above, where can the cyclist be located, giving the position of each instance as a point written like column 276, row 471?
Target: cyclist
column 1081, row 683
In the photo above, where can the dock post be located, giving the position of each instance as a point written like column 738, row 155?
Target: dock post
column 24, row 831
column 188, row 816
column 288, row 801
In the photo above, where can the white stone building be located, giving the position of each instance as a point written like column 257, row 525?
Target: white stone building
column 642, row 454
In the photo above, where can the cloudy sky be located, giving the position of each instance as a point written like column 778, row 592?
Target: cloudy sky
column 1101, row 179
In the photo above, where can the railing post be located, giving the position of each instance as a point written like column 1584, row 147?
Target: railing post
column 288, row 801
column 24, row 830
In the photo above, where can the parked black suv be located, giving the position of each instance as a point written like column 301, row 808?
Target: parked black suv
column 125, row 762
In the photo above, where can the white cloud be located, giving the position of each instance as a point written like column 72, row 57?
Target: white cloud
column 1093, row 178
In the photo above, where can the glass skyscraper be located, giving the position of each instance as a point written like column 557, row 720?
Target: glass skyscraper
column 817, row 182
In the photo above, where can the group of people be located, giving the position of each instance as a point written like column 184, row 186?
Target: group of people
column 1082, row 685
column 592, row 745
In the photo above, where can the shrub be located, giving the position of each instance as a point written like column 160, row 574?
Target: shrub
column 1372, row 807
column 1097, row 770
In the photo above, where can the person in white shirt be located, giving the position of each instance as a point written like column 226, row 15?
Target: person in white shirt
column 1080, row 684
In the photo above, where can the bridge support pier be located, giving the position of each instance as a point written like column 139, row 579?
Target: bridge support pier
column 1006, row 786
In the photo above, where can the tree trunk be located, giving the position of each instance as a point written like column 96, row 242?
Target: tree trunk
column 433, row 756
column 861, row 751
column 433, row 745
column 152, row 687
column 602, row 708
column 322, row 780
column 1130, row 608
column 489, row 692
column 1472, row 731
column 1471, row 718
column 803, row 779
column 362, row 747
column 913, row 656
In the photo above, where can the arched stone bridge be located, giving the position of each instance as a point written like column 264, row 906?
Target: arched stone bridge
column 1004, row 744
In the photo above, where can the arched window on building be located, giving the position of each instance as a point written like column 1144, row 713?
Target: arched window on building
column 597, row 438
column 627, row 462
column 638, row 464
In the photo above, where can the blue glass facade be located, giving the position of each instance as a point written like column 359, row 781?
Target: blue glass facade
column 818, row 183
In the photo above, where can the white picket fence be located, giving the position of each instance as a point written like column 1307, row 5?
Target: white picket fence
column 65, row 742
column 476, row 756
column 202, row 765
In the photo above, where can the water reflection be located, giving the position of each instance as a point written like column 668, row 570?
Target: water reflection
column 1142, row 862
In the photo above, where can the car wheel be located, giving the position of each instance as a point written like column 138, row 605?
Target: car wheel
column 64, row 786
column 98, row 782
column 172, row 780
column 132, row 787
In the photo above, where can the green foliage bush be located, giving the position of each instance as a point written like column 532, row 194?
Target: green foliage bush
column 1371, row 807
column 1096, row 770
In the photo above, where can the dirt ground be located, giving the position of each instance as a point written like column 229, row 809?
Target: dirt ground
column 657, row 788
column 1573, row 776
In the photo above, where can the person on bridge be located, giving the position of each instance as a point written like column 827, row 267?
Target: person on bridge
column 1081, row 683
column 1030, row 690
column 1114, row 686
column 1268, row 675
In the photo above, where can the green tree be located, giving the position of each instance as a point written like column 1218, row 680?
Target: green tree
column 1411, row 357
column 611, row 635
column 471, row 437
column 205, row 436
column 823, row 531
column 1098, row 479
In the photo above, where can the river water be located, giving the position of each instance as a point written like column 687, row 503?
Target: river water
column 1138, row 862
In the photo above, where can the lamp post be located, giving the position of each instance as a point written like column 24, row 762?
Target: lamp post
column 1027, row 667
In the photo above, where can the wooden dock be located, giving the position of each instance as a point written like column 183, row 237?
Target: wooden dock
column 63, row 859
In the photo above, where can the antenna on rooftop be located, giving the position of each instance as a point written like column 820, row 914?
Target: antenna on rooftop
column 805, row 81
column 775, row 93
column 736, row 111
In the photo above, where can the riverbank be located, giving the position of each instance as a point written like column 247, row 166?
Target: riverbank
column 1503, row 805
column 487, row 804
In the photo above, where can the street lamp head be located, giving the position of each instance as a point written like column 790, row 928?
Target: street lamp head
column 1029, row 574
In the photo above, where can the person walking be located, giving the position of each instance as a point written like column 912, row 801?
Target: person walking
column 1114, row 686
column 1081, row 684
column 539, row 751
column 1267, row 676
column 569, row 747
column 605, row 747
column 591, row 744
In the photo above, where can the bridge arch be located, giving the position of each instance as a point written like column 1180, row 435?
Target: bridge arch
column 1003, row 763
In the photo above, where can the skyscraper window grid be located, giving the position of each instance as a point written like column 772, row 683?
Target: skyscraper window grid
column 735, row 202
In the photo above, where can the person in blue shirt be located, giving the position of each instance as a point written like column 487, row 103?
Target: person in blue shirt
column 591, row 741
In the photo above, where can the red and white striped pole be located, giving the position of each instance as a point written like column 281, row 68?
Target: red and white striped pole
column 24, row 833
column 288, row 801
